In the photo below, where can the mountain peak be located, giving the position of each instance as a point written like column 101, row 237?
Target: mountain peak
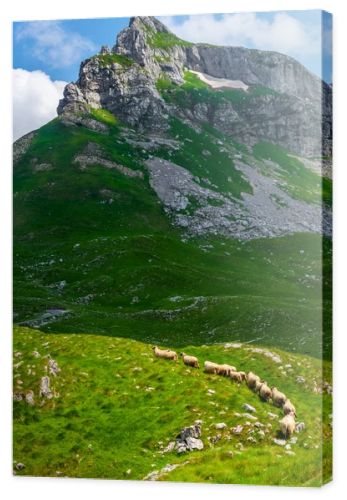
column 139, row 78
column 148, row 23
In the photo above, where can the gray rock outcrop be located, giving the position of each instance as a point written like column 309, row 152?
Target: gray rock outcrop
column 123, row 80
column 189, row 439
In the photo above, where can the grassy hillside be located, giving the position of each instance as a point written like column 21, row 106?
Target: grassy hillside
column 116, row 407
column 97, row 248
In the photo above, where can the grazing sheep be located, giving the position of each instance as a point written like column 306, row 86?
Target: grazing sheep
column 226, row 370
column 190, row 360
column 236, row 376
column 258, row 385
column 288, row 407
column 252, row 378
column 265, row 392
column 288, row 425
column 164, row 353
column 278, row 398
column 210, row 367
column 243, row 375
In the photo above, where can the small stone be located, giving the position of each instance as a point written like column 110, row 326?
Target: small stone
column 215, row 439
column 248, row 415
column 17, row 396
column 300, row 379
column 181, row 449
column 29, row 398
column 249, row 408
column 271, row 415
column 251, row 439
column 20, row 466
column 293, row 440
column 259, row 425
column 279, row 442
column 237, row 430
column 194, row 444
column 221, row 425
column 290, row 452
column 170, row 447
column 45, row 390
column 211, row 391
column 300, row 426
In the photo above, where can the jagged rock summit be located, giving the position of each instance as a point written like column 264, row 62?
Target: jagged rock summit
column 271, row 96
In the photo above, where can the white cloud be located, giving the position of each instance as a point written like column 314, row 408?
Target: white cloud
column 35, row 100
column 282, row 33
column 54, row 45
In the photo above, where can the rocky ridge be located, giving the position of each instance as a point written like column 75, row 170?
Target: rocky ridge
column 124, row 79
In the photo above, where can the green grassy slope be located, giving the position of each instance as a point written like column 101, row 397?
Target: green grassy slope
column 99, row 245
column 116, row 408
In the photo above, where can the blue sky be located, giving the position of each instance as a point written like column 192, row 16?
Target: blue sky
column 57, row 47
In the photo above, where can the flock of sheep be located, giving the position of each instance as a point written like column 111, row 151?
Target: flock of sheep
column 252, row 380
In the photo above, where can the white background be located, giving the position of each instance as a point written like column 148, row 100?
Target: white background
column 35, row 488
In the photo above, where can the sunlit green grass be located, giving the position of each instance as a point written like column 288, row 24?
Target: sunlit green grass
column 117, row 407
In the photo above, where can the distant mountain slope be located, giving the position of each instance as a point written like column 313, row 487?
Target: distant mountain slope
column 160, row 208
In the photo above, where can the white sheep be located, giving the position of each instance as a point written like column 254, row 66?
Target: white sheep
column 226, row 369
column 258, row 385
column 164, row 353
column 288, row 407
column 190, row 360
column 288, row 425
column 210, row 367
column 251, row 379
column 265, row 392
column 278, row 398
column 236, row 376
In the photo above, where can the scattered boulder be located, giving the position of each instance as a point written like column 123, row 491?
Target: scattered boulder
column 45, row 390
column 53, row 367
column 248, row 415
column 170, row 447
column 189, row 439
column 237, row 430
column 29, row 398
column 259, row 425
column 251, row 439
column 17, row 396
column 221, row 425
column 300, row 379
column 280, row 442
column 300, row 426
column 249, row 408
column 156, row 474
column 215, row 439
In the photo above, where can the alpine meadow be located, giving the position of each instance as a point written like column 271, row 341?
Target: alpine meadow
column 182, row 198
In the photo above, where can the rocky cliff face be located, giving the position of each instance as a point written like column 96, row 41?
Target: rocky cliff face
column 124, row 81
